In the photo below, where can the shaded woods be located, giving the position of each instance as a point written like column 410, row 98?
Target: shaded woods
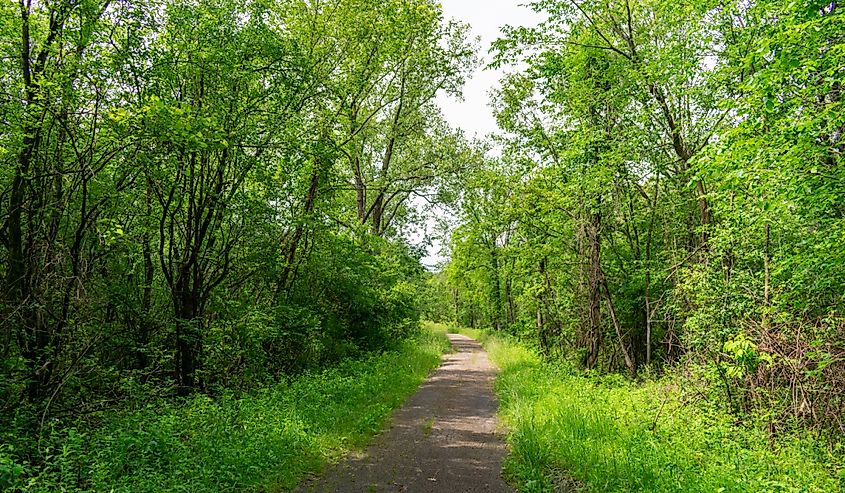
column 206, row 197
column 658, row 247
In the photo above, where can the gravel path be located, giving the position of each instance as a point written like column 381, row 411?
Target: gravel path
column 444, row 439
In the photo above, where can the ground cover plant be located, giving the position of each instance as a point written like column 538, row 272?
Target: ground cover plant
column 607, row 434
column 265, row 441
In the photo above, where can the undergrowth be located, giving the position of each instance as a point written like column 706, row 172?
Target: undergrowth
column 267, row 441
column 607, row 434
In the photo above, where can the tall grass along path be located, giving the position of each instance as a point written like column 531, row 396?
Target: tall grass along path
column 444, row 439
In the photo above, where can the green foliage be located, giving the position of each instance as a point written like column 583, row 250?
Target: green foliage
column 608, row 434
column 204, row 198
column 200, row 199
column 11, row 472
column 669, row 192
column 267, row 440
column 435, row 298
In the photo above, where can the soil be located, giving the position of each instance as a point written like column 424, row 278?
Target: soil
column 444, row 439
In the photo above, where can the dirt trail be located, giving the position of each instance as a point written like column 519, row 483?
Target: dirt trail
column 442, row 440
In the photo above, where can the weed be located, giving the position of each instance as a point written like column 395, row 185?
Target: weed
column 267, row 441
column 611, row 435
column 427, row 425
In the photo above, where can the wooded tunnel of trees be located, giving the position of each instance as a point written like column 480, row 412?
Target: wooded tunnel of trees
column 209, row 196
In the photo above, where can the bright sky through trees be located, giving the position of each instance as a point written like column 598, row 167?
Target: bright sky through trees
column 473, row 114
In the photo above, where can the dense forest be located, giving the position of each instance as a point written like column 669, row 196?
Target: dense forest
column 206, row 196
column 668, row 205
column 670, row 191
column 207, row 203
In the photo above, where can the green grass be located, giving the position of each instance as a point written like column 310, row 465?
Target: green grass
column 605, row 434
column 436, row 328
column 265, row 442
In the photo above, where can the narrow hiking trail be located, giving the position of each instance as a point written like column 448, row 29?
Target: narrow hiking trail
column 443, row 439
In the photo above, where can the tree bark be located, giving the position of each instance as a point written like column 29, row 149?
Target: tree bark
column 593, row 336
column 629, row 362
column 542, row 331
column 497, row 289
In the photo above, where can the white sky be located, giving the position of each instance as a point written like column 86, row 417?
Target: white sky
column 473, row 114
column 486, row 17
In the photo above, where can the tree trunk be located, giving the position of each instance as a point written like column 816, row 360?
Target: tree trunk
column 593, row 336
column 360, row 191
column 32, row 333
column 509, row 299
column 629, row 362
column 542, row 331
column 188, row 338
column 497, row 289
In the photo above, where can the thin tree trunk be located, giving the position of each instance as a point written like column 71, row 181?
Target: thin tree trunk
column 629, row 362
column 649, row 239
column 766, row 278
column 143, row 333
column 542, row 331
column 497, row 289
column 377, row 225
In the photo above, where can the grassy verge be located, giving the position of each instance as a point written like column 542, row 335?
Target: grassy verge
column 265, row 442
column 609, row 435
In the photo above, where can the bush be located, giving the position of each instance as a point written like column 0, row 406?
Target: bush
column 267, row 440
